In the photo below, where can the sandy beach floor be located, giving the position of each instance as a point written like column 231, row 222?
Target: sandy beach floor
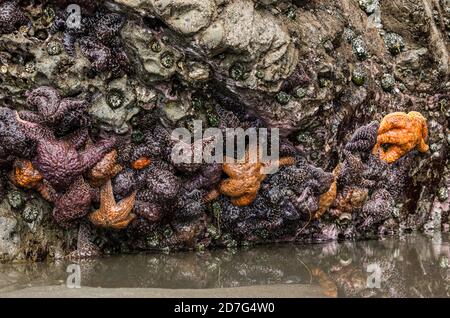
column 278, row 291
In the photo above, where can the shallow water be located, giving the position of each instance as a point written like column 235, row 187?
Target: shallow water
column 412, row 266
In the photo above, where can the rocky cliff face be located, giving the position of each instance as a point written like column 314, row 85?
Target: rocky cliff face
column 316, row 69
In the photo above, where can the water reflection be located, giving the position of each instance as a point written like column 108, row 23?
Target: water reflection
column 414, row 266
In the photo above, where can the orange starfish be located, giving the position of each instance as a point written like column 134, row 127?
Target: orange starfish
column 329, row 286
column 351, row 198
column 105, row 169
column 245, row 179
column 25, row 175
column 141, row 163
column 400, row 133
column 111, row 214
column 211, row 195
column 327, row 199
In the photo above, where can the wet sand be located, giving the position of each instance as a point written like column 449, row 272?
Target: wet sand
column 277, row 291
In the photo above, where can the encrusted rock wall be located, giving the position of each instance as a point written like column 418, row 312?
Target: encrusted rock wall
column 316, row 69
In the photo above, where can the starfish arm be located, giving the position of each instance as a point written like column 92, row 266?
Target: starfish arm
column 107, row 201
column 83, row 240
column 141, row 151
column 422, row 146
column 77, row 139
column 125, row 206
column 69, row 43
column 123, row 223
column 31, row 117
column 396, row 120
column 66, row 105
column 390, row 137
column 97, row 218
column 232, row 170
column 45, row 99
column 244, row 200
column 393, row 154
column 91, row 156
column 35, row 131
column 232, row 188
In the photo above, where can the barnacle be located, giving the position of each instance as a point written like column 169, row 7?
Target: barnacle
column 25, row 175
column 400, row 133
column 245, row 179
column 111, row 214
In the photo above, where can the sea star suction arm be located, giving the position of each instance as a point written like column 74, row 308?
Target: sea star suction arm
column 34, row 131
column 89, row 157
column 77, row 139
column 31, row 116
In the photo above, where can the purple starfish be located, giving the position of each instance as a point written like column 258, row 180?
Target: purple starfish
column 61, row 161
column 13, row 142
column 11, row 17
column 50, row 107
column 75, row 203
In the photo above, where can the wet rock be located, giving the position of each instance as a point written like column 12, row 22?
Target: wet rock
column 115, row 106
column 317, row 70
column 9, row 237
column 149, row 63
column 251, row 36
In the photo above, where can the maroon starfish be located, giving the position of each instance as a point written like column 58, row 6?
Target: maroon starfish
column 73, row 204
column 60, row 161
column 50, row 107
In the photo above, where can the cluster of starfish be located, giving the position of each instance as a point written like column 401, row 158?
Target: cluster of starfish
column 287, row 201
column 374, row 172
column 99, row 38
column 57, row 164
column 140, row 187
